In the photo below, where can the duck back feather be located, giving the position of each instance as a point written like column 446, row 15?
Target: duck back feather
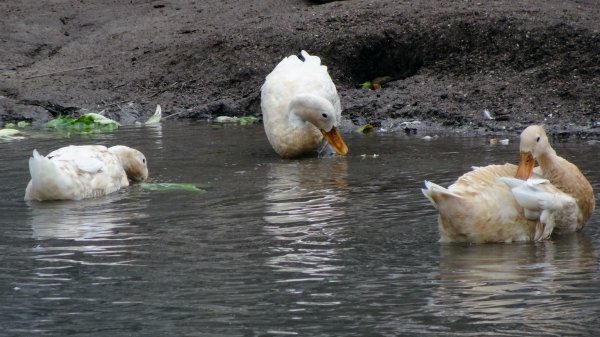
column 479, row 208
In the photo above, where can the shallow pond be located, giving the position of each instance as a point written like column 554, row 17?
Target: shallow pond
column 312, row 247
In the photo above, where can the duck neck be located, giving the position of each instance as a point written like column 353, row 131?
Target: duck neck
column 555, row 169
column 296, row 119
column 567, row 178
column 548, row 161
column 305, row 108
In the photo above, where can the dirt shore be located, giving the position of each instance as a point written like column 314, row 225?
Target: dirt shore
column 447, row 61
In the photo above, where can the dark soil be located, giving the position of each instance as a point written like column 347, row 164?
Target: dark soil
column 526, row 62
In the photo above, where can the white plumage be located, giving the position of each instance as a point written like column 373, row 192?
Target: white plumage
column 85, row 171
column 300, row 105
column 543, row 201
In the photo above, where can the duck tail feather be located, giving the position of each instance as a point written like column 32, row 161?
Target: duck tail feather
column 435, row 192
column 310, row 59
column 41, row 168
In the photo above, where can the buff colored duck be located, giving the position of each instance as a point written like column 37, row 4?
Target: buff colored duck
column 562, row 196
column 479, row 208
column 300, row 107
column 85, row 171
column 489, row 205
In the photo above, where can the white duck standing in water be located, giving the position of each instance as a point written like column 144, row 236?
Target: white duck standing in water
column 300, row 107
column 84, row 171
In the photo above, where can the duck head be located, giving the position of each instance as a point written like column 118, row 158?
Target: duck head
column 534, row 144
column 133, row 161
column 319, row 112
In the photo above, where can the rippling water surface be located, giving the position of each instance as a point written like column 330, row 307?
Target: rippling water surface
column 311, row 247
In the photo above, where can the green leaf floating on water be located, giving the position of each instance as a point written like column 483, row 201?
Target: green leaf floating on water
column 90, row 122
column 170, row 187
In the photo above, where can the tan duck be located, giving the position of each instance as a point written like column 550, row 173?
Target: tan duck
column 300, row 107
column 563, row 195
column 489, row 205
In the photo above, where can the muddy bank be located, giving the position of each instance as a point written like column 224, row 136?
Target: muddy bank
column 447, row 61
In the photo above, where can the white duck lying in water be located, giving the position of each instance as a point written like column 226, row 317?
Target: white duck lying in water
column 86, row 171
column 488, row 205
column 300, row 106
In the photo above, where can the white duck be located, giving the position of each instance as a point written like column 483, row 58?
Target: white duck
column 86, row 171
column 300, row 106
column 488, row 205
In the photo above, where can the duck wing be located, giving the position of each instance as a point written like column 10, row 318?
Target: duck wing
column 544, row 202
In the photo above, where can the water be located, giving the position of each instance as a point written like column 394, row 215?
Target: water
column 312, row 247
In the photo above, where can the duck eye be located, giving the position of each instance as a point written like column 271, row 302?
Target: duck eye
column 144, row 160
column 537, row 139
column 324, row 115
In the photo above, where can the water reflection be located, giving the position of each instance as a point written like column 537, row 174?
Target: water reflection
column 154, row 131
column 516, row 283
column 305, row 203
column 99, row 228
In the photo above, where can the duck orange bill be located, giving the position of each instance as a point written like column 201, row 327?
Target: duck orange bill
column 526, row 164
column 334, row 139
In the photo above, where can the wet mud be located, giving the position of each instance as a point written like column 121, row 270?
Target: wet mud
column 443, row 62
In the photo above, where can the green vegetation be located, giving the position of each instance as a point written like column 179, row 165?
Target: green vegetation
column 365, row 128
column 170, row 187
column 20, row 125
column 87, row 123
column 376, row 83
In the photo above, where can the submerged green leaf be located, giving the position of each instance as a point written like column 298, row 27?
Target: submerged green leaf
column 170, row 187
